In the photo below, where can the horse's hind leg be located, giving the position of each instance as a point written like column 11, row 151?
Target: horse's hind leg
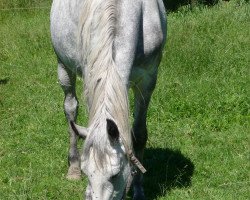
column 67, row 81
column 142, row 92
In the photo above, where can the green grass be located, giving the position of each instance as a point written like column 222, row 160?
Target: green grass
column 20, row 4
column 198, row 121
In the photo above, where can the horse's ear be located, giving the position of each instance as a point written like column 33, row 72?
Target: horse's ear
column 112, row 130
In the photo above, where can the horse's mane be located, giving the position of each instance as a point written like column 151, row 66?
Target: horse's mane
column 105, row 91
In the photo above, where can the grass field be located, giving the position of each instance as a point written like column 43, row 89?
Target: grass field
column 198, row 121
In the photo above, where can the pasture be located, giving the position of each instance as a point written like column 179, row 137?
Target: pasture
column 198, row 121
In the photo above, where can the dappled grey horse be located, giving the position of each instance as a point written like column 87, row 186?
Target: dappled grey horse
column 113, row 45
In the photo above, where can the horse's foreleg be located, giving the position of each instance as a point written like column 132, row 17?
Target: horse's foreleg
column 67, row 81
column 142, row 92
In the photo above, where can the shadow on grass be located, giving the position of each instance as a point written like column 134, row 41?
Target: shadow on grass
column 4, row 81
column 166, row 169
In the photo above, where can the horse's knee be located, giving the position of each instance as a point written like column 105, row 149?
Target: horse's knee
column 70, row 107
column 67, row 80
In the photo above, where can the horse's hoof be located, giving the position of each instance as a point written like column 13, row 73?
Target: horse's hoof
column 73, row 177
column 74, row 173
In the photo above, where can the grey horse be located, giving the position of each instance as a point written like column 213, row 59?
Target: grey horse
column 113, row 45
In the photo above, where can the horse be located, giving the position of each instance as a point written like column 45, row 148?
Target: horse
column 114, row 45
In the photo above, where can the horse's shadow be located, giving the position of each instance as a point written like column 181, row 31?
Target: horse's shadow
column 166, row 169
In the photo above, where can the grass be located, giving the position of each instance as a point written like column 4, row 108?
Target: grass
column 20, row 4
column 198, row 121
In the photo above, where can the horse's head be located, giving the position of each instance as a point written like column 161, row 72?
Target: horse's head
column 107, row 167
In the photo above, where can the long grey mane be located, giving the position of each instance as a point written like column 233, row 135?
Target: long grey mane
column 105, row 91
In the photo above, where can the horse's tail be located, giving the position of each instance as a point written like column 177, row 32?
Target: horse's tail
column 105, row 91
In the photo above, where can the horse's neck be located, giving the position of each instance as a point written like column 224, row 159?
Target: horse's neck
column 97, row 24
column 105, row 91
